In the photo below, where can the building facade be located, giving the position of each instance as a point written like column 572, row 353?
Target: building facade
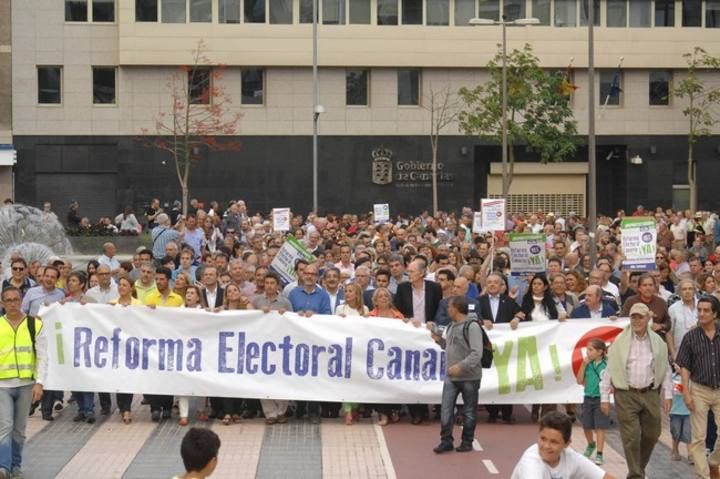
column 90, row 76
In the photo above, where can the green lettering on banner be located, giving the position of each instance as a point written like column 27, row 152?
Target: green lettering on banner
column 556, row 362
column 501, row 360
column 527, row 351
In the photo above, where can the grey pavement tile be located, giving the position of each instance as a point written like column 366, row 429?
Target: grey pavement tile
column 291, row 450
column 56, row 444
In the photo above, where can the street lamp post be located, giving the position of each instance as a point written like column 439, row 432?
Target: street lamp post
column 592, row 174
column 317, row 109
column 520, row 22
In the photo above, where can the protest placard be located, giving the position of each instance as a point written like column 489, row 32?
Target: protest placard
column 493, row 214
column 288, row 254
column 527, row 253
column 381, row 213
column 639, row 243
column 281, row 219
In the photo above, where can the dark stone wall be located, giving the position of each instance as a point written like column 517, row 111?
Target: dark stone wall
column 272, row 172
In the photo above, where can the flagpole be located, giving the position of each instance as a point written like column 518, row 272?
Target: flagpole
column 592, row 177
column 607, row 98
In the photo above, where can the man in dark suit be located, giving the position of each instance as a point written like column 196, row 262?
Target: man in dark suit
column 594, row 306
column 498, row 308
column 212, row 292
column 418, row 300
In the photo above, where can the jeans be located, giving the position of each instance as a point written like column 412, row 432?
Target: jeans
column 469, row 391
column 85, row 402
column 14, row 406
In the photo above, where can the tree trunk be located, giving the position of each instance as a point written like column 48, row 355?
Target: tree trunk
column 692, row 176
column 434, row 178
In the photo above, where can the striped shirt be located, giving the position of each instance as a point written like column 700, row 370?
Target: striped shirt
column 701, row 356
column 161, row 236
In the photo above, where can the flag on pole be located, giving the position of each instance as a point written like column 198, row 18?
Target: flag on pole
column 615, row 88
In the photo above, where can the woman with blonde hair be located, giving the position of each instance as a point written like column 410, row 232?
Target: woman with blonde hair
column 182, row 281
column 194, row 299
column 353, row 306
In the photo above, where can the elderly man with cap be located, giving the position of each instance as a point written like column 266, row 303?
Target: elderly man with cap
column 639, row 372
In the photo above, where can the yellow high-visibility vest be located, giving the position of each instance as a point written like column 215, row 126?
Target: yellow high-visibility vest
column 17, row 358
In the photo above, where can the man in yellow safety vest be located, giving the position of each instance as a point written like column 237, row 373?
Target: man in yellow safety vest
column 23, row 362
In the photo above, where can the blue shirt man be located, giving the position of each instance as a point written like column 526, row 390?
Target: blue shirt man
column 309, row 298
column 45, row 293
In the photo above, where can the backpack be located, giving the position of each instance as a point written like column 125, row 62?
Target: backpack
column 31, row 330
column 487, row 357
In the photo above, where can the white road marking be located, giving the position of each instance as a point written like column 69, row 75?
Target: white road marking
column 476, row 445
column 490, row 466
column 384, row 452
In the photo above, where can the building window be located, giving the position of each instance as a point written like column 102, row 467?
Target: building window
column 306, row 8
column 254, row 11
column 712, row 13
column 408, row 85
column 360, row 12
column 664, row 13
column 252, row 86
column 199, row 86
column 692, row 13
column 49, row 85
column 333, row 12
column 76, row 11
column 200, row 11
column 659, row 88
column 412, row 12
column 585, row 10
column 610, row 88
column 356, row 87
column 103, row 10
column 173, row 11
column 438, row 12
column 541, row 10
column 489, row 9
column 640, row 13
column 281, row 12
column 680, row 197
column 146, row 10
column 565, row 13
column 616, row 13
column 229, row 11
column 387, row 12
column 464, row 11
column 513, row 9
column 104, row 85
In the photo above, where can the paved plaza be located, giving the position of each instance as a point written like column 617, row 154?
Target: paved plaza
column 331, row 450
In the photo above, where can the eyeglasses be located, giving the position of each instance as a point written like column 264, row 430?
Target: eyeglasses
column 18, row 269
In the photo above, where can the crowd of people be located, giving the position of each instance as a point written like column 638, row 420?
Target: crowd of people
column 414, row 269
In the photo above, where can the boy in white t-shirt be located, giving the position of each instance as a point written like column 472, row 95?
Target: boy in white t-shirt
column 551, row 458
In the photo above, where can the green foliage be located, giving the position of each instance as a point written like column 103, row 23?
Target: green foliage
column 539, row 113
column 701, row 98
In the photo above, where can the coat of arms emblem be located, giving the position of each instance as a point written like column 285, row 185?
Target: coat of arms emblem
column 382, row 171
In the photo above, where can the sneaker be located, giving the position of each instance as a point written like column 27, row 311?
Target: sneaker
column 589, row 450
column 58, row 405
column 17, row 473
column 599, row 460
column 443, row 447
column 464, row 447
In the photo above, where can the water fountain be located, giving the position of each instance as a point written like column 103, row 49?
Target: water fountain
column 33, row 234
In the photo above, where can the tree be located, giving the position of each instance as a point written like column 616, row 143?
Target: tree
column 444, row 110
column 701, row 99
column 199, row 114
column 538, row 108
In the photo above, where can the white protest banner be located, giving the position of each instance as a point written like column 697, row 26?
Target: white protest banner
column 639, row 243
column 286, row 257
column 527, row 253
column 477, row 223
column 381, row 213
column 493, row 213
column 250, row 354
column 281, row 219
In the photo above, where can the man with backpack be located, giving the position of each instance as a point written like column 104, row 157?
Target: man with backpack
column 23, row 361
column 465, row 344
